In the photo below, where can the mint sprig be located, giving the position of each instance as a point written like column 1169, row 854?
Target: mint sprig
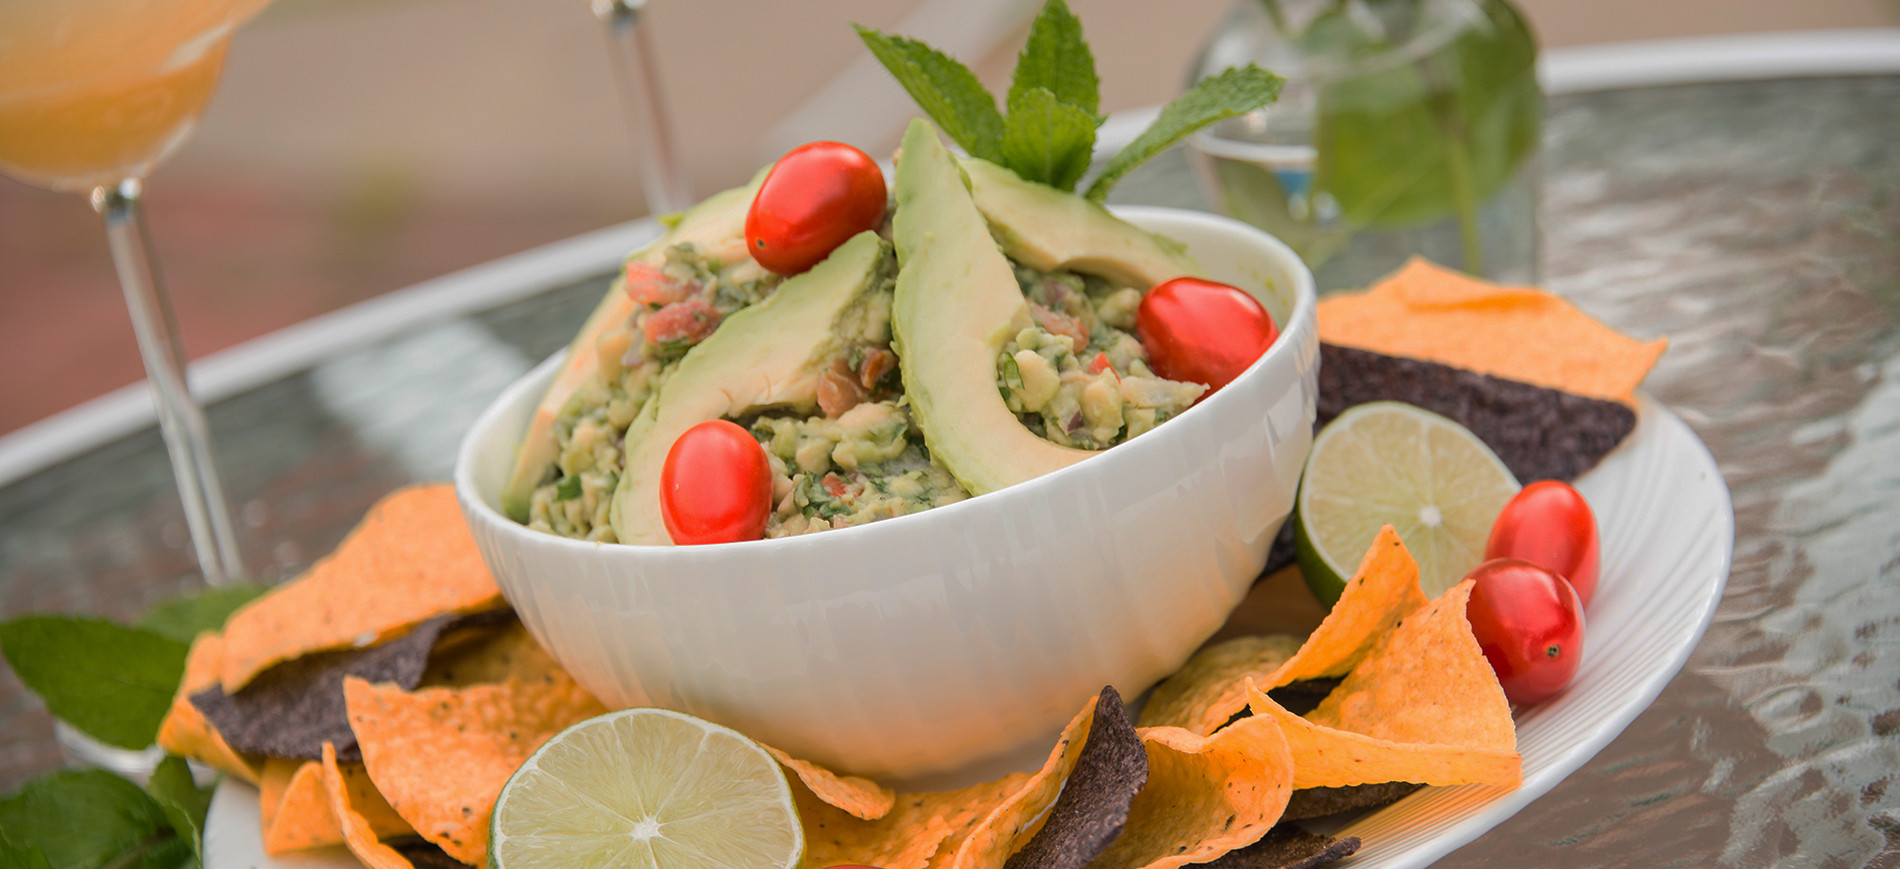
column 109, row 680
column 1054, row 96
column 1236, row 91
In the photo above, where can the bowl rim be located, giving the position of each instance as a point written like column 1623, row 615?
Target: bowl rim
column 1302, row 319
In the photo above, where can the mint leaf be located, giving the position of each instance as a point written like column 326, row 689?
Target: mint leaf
column 111, row 681
column 1057, row 58
column 1236, row 91
column 184, row 803
column 946, row 90
column 1047, row 140
column 1419, row 141
column 90, row 818
column 184, row 618
column 21, row 857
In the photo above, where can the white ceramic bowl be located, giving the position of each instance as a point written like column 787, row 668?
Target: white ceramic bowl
column 952, row 643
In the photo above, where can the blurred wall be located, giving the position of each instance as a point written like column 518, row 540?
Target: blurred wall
column 359, row 146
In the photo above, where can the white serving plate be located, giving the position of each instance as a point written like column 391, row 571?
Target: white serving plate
column 1668, row 534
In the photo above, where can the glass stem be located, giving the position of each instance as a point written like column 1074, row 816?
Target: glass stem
column 180, row 420
column 665, row 182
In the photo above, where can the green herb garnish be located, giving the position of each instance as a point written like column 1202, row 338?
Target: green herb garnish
column 1054, row 96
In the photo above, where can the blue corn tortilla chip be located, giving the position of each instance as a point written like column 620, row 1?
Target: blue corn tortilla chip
column 1093, row 806
column 292, row 709
column 1288, row 847
column 1322, row 802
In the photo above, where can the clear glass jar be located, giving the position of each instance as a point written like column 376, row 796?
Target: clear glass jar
column 1406, row 127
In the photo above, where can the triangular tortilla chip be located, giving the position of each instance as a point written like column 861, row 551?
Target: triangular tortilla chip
column 860, row 797
column 294, row 806
column 478, row 654
column 931, row 830
column 1211, row 688
column 1426, row 681
column 185, row 731
column 1324, row 757
column 1382, row 592
column 442, row 755
column 1427, row 312
column 357, row 832
column 1423, row 707
column 1205, row 796
column 411, row 559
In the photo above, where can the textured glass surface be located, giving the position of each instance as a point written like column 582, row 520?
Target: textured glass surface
column 1756, row 224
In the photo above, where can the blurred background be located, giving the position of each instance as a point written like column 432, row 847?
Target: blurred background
column 359, row 146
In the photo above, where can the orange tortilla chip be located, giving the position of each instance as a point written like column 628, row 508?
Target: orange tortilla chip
column 442, row 755
column 1428, row 312
column 411, row 559
column 357, row 832
column 294, row 805
column 1205, row 796
column 1324, row 757
column 1011, row 824
column 962, row 828
column 858, row 797
column 1211, row 688
column 185, row 731
column 1426, row 682
column 1382, row 592
column 906, row 837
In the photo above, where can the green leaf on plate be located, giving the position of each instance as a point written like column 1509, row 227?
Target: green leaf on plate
column 946, row 90
column 1235, row 91
column 111, row 681
column 184, row 803
column 1057, row 58
column 183, row 618
column 1047, row 140
column 90, row 818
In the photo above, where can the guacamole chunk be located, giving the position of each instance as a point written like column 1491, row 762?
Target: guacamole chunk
column 677, row 305
column 1076, row 376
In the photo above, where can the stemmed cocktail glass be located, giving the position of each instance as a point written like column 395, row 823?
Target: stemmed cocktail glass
column 93, row 93
column 662, row 177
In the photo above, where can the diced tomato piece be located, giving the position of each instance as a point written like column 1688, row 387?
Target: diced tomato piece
column 877, row 363
column 689, row 321
column 1061, row 324
column 833, row 485
column 1100, row 364
column 838, row 390
column 651, row 287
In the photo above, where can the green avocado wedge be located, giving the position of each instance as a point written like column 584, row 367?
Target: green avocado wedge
column 769, row 355
column 957, row 302
column 716, row 226
column 1049, row 229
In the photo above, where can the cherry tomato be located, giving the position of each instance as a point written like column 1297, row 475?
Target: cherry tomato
column 815, row 198
column 1200, row 331
column 716, row 485
column 1529, row 623
column 1548, row 524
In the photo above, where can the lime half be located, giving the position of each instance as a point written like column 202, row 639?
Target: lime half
column 646, row 789
column 1390, row 463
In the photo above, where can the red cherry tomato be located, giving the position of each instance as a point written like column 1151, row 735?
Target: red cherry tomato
column 1529, row 623
column 815, row 198
column 1548, row 524
column 1202, row 332
column 716, row 485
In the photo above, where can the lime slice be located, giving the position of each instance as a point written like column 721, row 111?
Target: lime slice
column 1389, row 463
column 646, row 789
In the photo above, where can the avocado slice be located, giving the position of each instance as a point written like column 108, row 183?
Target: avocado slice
column 1049, row 229
column 769, row 355
column 716, row 226
column 957, row 302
